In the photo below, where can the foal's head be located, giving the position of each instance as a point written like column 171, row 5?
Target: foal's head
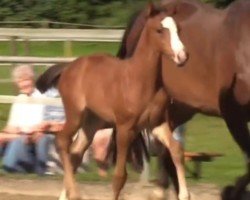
column 163, row 32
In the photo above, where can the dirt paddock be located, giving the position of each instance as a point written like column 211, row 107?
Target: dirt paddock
column 22, row 189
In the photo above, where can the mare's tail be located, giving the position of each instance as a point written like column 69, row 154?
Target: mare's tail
column 50, row 77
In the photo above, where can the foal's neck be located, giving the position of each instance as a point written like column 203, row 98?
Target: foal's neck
column 146, row 56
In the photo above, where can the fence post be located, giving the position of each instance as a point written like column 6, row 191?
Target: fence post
column 13, row 47
column 26, row 47
column 67, row 48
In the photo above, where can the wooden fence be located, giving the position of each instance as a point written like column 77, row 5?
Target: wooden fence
column 96, row 35
column 13, row 35
column 6, row 99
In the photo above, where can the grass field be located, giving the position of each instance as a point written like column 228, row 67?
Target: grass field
column 203, row 133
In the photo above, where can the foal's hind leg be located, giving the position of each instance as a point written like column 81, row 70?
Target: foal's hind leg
column 236, row 121
column 79, row 146
column 64, row 141
column 77, row 151
column 124, row 138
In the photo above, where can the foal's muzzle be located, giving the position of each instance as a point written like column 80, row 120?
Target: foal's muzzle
column 181, row 57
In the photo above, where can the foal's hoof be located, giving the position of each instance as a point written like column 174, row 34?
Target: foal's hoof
column 157, row 194
column 185, row 197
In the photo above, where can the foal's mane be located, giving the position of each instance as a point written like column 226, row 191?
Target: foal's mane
column 139, row 15
column 122, row 52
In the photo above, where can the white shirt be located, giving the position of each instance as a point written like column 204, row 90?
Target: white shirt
column 25, row 115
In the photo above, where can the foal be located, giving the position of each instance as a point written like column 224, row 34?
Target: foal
column 117, row 91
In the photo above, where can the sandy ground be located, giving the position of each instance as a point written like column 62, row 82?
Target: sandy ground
column 20, row 189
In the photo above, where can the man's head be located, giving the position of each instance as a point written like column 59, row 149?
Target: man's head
column 23, row 76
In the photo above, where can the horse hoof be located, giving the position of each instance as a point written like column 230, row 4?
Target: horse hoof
column 185, row 197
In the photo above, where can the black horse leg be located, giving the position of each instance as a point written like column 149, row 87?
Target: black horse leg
column 167, row 170
column 236, row 120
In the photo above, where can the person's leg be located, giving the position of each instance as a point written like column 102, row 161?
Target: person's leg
column 2, row 149
column 100, row 146
column 41, row 153
column 16, row 157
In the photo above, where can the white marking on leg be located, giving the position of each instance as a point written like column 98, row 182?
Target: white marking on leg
column 159, row 193
column 63, row 195
column 160, row 132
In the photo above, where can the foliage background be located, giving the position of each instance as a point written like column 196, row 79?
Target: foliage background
column 95, row 12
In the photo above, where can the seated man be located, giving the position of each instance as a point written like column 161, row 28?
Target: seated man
column 26, row 145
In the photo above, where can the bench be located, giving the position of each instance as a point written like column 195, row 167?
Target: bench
column 197, row 158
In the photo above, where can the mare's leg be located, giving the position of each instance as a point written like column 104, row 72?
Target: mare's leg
column 164, row 134
column 177, row 153
column 124, row 138
column 236, row 120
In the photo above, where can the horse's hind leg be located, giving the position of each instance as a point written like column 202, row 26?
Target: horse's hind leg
column 236, row 120
column 77, row 150
column 83, row 140
column 64, row 141
column 177, row 153
column 124, row 138
column 164, row 134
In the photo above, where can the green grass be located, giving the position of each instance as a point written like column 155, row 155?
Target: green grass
column 208, row 134
column 52, row 49
column 203, row 133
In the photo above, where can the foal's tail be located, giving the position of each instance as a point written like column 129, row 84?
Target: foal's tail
column 50, row 77
column 138, row 152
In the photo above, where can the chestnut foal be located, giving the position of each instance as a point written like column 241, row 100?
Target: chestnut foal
column 117, row 91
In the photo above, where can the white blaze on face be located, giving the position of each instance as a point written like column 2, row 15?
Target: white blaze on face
column 176, row 44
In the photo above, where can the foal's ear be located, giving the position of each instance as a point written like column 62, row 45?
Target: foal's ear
column 150, row 9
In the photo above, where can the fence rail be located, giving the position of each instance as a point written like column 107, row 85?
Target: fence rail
column 41, row 34
column 67, row 35
column 37, row 60
column 7, row 99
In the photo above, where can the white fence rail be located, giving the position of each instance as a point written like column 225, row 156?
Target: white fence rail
column 96, row 35
column 41, row 34
column 6, row 99
column 37, row 60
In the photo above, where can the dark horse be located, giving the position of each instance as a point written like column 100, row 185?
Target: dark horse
column 110, row 89
column 216, row 79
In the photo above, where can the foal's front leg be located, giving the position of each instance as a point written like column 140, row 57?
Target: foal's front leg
column 124, row 138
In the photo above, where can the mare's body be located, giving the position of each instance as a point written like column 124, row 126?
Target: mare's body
column 215, row 80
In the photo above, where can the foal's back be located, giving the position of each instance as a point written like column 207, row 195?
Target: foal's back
column 95, row 78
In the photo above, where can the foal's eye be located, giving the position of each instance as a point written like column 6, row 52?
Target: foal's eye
column 159, row 30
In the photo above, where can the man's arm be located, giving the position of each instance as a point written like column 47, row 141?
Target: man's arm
column 11, row 129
